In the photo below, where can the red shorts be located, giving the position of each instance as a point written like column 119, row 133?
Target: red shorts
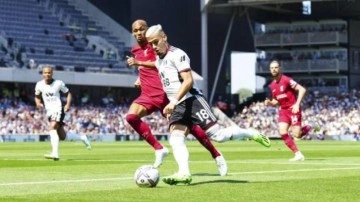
column 151, row 103
column 286, row 116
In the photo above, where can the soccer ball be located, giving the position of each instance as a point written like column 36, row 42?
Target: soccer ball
column 147, row 176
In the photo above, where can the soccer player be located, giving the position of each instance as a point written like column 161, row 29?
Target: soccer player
column 153, row 98
column 288, row 94
column 47, row 93
column 187, row 105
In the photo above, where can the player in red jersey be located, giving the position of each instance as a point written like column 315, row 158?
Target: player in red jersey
column 288, row 94
column 154, row 98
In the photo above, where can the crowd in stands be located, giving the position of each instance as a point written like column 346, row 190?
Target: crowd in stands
column 335, row 114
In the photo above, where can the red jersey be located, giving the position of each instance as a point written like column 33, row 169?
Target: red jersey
column 149, row 77
column 284, row 91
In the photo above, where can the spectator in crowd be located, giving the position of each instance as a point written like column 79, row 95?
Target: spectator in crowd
column 32, row 64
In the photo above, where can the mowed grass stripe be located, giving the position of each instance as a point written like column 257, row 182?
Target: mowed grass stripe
column 105, row 173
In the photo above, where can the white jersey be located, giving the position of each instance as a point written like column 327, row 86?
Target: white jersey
column 174, row 62
column 50, row 94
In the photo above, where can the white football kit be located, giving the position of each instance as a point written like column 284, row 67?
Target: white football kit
column 50, row 94
column 174, row 62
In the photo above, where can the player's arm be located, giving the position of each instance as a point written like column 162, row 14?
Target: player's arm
column 38, row 102
column 137, row 83
column 186, row 85
column 68, row 101
column 271, row 102
column 131, row 61
column 301, row 94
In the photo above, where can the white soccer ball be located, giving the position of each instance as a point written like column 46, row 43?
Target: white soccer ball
column 147, row 176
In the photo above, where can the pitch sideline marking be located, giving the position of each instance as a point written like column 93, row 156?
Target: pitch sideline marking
column 130, row 178
column 268, row 161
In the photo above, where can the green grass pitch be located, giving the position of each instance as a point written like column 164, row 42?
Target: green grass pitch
column 331, row 172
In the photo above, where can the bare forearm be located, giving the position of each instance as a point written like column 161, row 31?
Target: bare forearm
column 149, row 64
column 185, row 87
column 68, row 99
column 37, row 100
column 301, row 95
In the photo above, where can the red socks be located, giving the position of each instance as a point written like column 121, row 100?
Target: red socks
column 144, row 130
column 289, row 142
column 305, row 130
column 202, row 137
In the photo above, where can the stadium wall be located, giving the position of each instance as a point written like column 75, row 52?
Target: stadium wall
column 69, row 77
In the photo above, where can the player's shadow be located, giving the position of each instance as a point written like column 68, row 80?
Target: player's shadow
column 216, row 181
column 220, row 181
column 205, row 174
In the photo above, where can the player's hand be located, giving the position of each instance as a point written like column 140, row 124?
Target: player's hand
column 131, row 61
column 66, row 108
column 295, row 108
column 40, row 107
column 168, row 110
column 267, row 102
column 137, row 84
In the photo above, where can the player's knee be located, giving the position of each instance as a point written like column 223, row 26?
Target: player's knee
column 215, row 133
column 131, row 118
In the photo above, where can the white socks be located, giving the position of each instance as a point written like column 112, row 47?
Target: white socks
column 221, row 134
column 84, row 139
column 180, row 152
column 54, row 140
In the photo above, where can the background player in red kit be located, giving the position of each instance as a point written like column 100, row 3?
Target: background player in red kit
column 153, row 98
column 288, row 94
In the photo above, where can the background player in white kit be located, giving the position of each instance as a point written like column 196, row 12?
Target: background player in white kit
column 47, row 93
column 187, row 105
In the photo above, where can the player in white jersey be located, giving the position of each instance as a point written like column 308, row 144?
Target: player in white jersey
column 47, row 93
column 187, row 105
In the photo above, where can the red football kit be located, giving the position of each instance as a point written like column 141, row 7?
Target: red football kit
column 152, row 95
column 284, row 92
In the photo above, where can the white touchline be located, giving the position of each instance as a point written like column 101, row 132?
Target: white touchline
column 298, row 170
column 271, row 161
column 65, row 181
column 130, row 178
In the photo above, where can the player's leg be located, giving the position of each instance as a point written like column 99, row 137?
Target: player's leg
column 72, row 136
column 54, row 141
column 133, row 117
column 177, row 140
column 307, row 128
column 222, row 134
column 202, row 137
column 61, row 132
column 288, row 140
column 206, row 119
column 296, row 130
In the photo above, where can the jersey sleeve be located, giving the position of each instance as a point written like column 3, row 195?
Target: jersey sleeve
column 291, row 82
column 37, row 89
column 181, row 61
column 63, row 87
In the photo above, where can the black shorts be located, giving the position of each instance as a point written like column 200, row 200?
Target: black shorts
column 57, row 116
column 193, row 111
